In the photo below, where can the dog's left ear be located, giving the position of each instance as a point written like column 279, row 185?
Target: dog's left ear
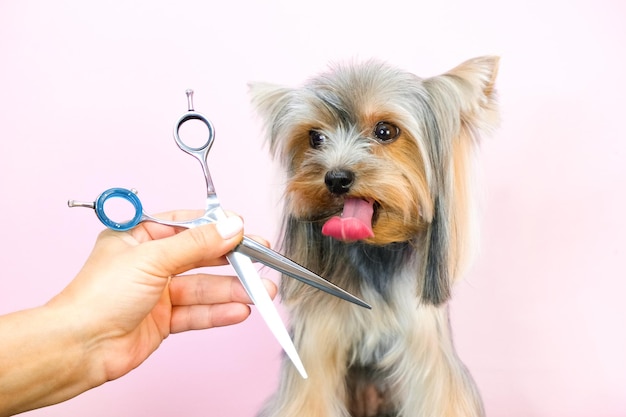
column 271, row 102
column 463, row 104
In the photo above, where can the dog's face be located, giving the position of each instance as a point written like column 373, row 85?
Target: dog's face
column 351, row 142
column 379, row 155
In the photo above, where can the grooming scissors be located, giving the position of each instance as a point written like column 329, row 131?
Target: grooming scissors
column 241, row 257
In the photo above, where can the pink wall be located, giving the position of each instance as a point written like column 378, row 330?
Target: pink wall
column 88, row 96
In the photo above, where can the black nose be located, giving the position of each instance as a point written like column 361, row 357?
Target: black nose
column 339, row 181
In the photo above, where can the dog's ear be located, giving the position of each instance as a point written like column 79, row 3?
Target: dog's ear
column 462, row 103
column 469, row 89
column 271, row 101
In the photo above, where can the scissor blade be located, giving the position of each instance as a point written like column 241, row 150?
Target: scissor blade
column 276, row 261
column 251, row 281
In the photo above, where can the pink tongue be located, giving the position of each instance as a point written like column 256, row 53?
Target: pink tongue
column 355, row 222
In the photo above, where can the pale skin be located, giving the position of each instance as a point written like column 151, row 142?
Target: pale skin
column 128, row 297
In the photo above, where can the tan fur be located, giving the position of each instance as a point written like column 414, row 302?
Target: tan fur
column 397, row 359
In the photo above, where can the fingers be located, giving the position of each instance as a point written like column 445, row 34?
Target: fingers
column 260, row 240
column 199, row 317
column 153, row 230
column 202, row 301
column 188, row 290
column 197, row 247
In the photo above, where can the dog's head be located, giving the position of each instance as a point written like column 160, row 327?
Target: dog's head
column 380, row 155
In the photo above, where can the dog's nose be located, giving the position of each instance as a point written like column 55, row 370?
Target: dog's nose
column 339, row 181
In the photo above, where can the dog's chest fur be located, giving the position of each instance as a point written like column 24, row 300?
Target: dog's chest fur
column 384, row 275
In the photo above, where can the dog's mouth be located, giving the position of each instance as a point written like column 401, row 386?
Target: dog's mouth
column 355, row 222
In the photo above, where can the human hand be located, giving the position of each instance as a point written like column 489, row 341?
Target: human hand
column 129, row 296
column 126, row 299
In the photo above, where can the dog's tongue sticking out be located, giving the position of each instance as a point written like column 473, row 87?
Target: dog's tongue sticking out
column 355, row 222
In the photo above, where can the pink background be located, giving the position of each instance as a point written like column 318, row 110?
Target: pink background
column 89, row 92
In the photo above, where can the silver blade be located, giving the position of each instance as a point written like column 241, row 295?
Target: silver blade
column 276, row 261
column 251, row 281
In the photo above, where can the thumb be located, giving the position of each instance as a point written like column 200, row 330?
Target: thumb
column 197, row 247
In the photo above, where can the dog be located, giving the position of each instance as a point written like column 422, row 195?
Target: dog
column 377, row 199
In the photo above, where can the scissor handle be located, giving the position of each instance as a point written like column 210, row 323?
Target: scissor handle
column 193, row 115
column 201, row 153
column 124, row 194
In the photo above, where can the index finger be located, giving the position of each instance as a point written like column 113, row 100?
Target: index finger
column 152, row 230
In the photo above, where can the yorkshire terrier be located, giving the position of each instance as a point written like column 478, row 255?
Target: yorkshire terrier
column 378, row 201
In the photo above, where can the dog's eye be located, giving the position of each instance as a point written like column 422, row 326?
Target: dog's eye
column 316, row 139
column 386, row 132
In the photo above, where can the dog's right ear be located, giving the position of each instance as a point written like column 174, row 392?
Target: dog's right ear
column 472, row 86
column 271, row 102
column 463, row 105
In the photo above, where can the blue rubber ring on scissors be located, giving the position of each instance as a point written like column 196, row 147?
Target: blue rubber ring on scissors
column 124, row 194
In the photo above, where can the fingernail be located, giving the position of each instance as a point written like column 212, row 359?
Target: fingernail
column 229, row 226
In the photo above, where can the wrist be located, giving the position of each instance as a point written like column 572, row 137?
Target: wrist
column 76, row 332
column 53, row 363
